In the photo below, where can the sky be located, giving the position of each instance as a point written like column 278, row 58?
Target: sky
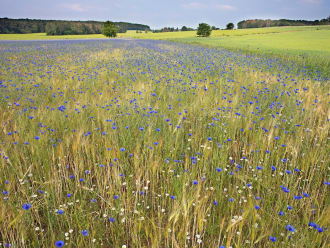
column 166, row 13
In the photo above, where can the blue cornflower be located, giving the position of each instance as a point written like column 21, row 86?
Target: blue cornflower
column 259, row 167
column 60, row 211
column 271, row 238
column 216, row 203
column 37, row 137
column 68, row 195
column 112, row 219
column 218, row 169
column 84, row 232
column 122, row 149
column 290, row 228
column 273, row 168
column 172, row 197
column 305, row 194
column 59, row 243
column 195, row 182
column 312, row 224
column 26, row 206
column 298, row 197
column 289, row 207
column 280, row 213
column 257, row 207
column 285, row 189
column 115, row 197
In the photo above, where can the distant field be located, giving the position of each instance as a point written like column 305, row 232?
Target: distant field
column 43, row 36
column 305, row 45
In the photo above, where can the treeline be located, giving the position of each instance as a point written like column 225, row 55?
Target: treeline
column 183, row 28
column 258, row 23
column 57, row 27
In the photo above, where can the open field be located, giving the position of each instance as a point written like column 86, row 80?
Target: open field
column 149, row 143
column 43, row 36
column 305, row 45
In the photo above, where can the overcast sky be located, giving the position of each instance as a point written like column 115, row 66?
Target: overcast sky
column 174, row 13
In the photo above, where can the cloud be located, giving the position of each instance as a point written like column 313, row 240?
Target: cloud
column 73, row 7
column 197, row 5
column 194, row 5
column 312, row 1
column 225, row 7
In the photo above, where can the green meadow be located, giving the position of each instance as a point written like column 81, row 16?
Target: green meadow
column 305, row 45
column 142, row 142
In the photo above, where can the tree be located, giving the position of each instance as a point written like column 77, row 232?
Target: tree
column 109, row 29
column 230, row 26
column 184, row 28
column 204, row 30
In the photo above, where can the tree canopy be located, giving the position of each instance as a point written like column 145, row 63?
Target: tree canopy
column 258, row 23
column 204, row 30
column 58, row 27
column 109, row 29
column 230, row 26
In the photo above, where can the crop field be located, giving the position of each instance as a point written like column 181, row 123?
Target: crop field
column 146, row 143
column 305, row 45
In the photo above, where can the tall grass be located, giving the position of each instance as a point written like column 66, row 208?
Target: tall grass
column 159, row 145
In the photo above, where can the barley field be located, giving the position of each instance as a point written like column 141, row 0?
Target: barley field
column 147, row 143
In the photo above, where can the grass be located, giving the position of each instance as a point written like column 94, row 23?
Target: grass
column 43, row 36
column 307, row 46
column 158, row 144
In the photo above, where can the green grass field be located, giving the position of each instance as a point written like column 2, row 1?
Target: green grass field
column 43, row 36
column 305, row 45
column 145, row 143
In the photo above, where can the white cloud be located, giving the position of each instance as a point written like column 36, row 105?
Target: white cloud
column 197, row 5
column 225, row 7
column 312, row 1
column 194, row 5
column 73, row 7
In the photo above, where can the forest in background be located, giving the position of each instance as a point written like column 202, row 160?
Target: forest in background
column 258, row 23
column 57, row 27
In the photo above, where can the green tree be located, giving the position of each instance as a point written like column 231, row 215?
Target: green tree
column 184, row 28
column 204, row 30
column 230, row 26
column 109, row 29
